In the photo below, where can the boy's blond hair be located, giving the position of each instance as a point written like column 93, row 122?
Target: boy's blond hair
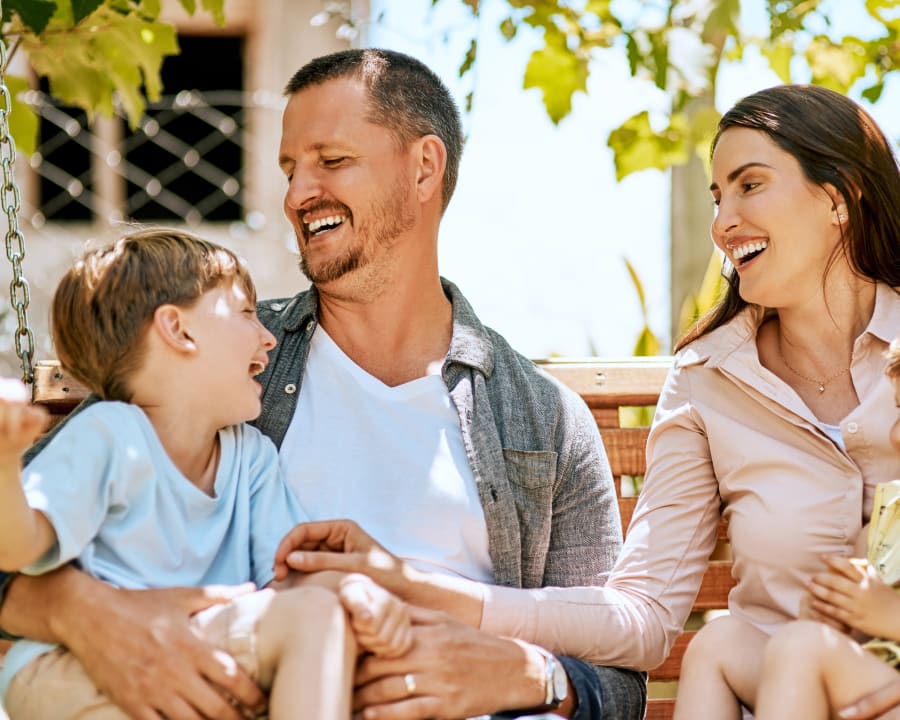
column 104, row 304
column 893, row 359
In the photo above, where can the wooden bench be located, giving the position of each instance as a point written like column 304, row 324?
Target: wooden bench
column 611, row 390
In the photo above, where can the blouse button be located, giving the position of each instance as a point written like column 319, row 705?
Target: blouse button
column 290, row 389
column 852, row 427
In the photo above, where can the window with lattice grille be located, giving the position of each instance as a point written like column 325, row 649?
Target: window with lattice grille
column 183, row 163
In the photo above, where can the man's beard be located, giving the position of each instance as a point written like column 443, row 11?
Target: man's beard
column 389, row 219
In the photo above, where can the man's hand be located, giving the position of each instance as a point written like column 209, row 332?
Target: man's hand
column 852, row 594
column 340, row 545
column 883, row 704
column 137, row 645
column 452, row 671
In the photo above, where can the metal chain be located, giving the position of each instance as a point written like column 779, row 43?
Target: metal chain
column 15, row 242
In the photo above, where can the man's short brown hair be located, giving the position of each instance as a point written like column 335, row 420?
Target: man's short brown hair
column 106, row 301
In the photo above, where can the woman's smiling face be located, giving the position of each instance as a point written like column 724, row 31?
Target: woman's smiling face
column 777, row 228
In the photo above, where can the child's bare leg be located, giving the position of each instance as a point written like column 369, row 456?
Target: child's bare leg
column 720, row 671
column 305, row 640
column 810, row 668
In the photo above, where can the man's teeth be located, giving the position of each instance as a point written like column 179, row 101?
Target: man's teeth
column 745, row 250
column 256, row 368
column 334, row 220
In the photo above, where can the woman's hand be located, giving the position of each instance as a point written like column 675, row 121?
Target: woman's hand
column 883, row 704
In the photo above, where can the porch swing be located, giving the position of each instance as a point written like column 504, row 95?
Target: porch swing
column 50, row 386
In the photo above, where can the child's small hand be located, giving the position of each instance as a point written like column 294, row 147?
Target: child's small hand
column 380, row 620
column 853, row 594
column 20, row 422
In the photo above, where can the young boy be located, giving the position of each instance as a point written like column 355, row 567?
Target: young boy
column 810, row 665
column 162, row 484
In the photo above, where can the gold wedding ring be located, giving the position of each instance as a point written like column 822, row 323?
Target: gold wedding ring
column 410, row 684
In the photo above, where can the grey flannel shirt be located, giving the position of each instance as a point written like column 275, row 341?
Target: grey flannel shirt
column 539, row 465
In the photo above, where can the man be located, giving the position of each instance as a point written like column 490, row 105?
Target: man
column 392, row 404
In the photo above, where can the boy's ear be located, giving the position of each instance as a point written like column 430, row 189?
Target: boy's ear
column 170, row 326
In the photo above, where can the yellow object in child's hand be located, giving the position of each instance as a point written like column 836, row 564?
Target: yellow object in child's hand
column 884, row 532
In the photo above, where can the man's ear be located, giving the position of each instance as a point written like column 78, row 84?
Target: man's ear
column 169, row 324
column 431, row 159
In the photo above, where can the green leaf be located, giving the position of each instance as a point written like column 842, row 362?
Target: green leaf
column 712, row 288
column 721, row 22
column 508, row 29
column 35, row 14
column 836, row 66
column 633, row 53
column 190, row 6
column 82, row 8
column 558, row 73
column 647, row 343
column 23, row 122
column 638, row 286
column 885, row 12
column 779, row 56
column 637, row 147
column 85, row 68
column 469, row 59
column 216, row 8
column 872, row 94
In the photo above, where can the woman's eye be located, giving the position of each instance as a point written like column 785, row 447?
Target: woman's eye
column 748, row 186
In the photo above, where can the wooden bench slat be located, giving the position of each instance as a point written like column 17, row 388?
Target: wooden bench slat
column 625, row 449
column 671, row 668
column 660, row 709
column 635, row 381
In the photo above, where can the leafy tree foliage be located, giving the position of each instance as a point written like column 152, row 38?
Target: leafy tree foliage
column 654, row 35
column 92, row 52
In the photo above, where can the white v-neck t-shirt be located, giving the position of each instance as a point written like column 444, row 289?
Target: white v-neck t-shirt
column 390, row 458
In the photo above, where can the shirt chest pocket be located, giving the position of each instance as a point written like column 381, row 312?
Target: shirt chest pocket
column 530, row 469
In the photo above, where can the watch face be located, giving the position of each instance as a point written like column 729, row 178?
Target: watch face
column 560, row 682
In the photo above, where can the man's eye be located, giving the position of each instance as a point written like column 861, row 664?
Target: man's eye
column 332, row 162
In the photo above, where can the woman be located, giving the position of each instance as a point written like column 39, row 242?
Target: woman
column 773, row 414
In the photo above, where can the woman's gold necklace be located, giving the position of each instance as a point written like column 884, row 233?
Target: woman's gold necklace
column 820, row 384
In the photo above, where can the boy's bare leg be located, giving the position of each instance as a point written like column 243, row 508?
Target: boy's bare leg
column 810, row 668
column 304, row 638
column 720, row 671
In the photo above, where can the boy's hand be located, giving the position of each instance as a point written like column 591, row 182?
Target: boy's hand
column 853, row 594
column 20, row 422
column 379, row 620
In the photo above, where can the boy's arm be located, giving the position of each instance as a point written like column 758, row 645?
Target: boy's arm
column 25, row 533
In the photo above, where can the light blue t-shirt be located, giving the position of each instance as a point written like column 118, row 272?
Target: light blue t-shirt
column 122, row 509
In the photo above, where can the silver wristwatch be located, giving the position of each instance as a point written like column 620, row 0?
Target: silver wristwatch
column 556, row 682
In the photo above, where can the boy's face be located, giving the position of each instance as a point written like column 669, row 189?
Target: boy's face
column 895, row 430
column 232, row 348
